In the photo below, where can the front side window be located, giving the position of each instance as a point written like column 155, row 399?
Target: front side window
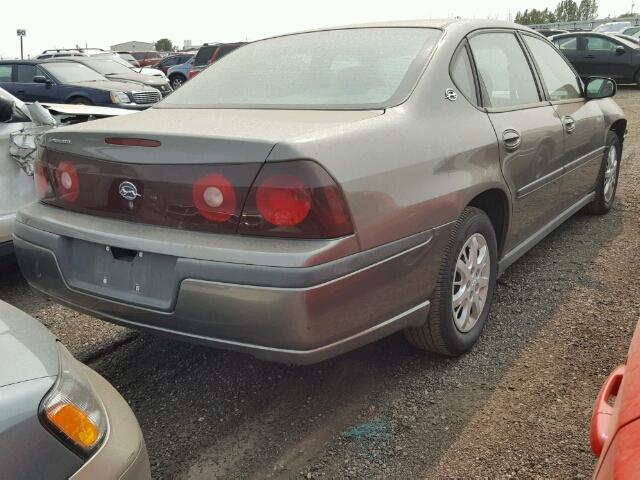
column 25, row 73
column 567, row 43
column 350, row 68
column 506, row 79
column 462, row 75
column 559, row 79
column 599, row 44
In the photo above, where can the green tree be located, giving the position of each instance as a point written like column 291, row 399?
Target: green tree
column 628, row 15
column 567, row 11
column 588, row 10
column 164, row 45
column 533, row 17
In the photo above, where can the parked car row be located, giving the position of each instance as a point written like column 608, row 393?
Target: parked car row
column 81, row 80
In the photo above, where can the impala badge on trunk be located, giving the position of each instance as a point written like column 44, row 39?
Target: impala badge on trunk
column 128, row 191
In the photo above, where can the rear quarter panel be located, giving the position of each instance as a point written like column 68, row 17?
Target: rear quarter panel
column 413, row 168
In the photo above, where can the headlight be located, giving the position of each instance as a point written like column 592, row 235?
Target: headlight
column 120, row 97
column 72, row 410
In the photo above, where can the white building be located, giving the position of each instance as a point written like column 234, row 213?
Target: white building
column 133, row 47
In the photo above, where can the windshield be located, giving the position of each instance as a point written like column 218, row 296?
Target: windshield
column 107, row 66
column 70, row 72
column 350, row 68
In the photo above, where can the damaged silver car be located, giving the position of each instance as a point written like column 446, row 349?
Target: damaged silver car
column 20, row 126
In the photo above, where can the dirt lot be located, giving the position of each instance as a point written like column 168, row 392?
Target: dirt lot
column 517, row 406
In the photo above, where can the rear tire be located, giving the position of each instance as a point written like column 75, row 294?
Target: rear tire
column 607, row 183
column 446, row 331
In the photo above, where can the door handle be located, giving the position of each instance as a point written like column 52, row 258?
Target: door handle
column 589, row 56
column 20, row 91
column 569, row 124
column 511, row 139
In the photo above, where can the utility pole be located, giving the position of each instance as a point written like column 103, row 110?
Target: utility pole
column 21, row 33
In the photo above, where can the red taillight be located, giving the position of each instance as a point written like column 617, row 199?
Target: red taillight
column 295, row 199
column 215, row 198
column 67, row 182
column 41, row 175
column 283, row 200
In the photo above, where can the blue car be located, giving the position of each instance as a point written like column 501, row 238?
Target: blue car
column 61, row 81
column 179, row 74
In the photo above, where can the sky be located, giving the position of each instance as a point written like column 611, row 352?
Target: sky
column 67, row 23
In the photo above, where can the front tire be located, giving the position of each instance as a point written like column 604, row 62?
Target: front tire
column 607, row 183
column 466, row 283
column 81, row 101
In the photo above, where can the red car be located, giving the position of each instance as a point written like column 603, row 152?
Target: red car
column 147, row 59
column 615, row 425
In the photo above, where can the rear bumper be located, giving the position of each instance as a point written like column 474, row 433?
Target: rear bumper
column 301, row 314
column 123, row 454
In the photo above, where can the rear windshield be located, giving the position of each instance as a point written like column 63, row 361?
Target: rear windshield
column 70, row 72
column 350, row 68
column 107, row 66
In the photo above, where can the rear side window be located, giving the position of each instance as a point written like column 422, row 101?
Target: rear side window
column 462, row 75
column 138, row 55
column 5, row 73
column 506, row 79
column 559, row 80
column 567, row 43
column 25, row 73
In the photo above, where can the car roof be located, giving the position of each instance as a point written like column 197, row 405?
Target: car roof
column 442, row 24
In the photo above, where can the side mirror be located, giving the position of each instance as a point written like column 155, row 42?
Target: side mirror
column 6, row 109
column 620, row 50
column 42, row 79
column 600, row 87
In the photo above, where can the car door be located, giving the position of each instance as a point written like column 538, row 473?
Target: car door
column 604, row 58
column 582, row 120
column 528, row 130
column 29, row 91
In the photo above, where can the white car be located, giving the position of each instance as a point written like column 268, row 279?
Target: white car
column 20, row 126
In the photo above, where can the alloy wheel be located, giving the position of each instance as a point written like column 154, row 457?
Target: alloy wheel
column 471, row 282
column 611, row 174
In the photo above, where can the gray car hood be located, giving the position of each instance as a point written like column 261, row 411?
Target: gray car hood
column 113, row 86
column 27, row 349
column 202, row 135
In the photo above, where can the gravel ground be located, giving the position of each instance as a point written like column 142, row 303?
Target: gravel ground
column 517, row 406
